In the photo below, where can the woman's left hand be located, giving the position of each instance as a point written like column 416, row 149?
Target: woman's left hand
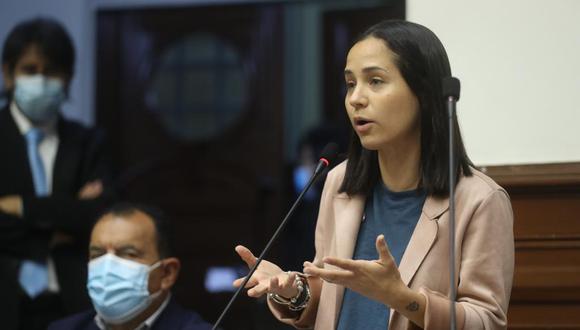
column 379, row 280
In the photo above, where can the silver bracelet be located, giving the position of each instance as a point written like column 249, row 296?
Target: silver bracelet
column 298, row 302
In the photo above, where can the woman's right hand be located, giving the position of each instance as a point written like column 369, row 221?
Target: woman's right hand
column 268, row 277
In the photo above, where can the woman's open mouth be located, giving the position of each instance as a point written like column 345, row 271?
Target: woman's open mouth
column 362, row 125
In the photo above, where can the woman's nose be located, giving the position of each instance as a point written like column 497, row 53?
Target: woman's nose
column 357, row 98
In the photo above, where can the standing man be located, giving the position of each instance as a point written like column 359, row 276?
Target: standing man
column 54, row 178
column 131, row 273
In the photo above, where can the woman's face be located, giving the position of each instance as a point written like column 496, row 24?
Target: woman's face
column 32, row 62
column 382, row 109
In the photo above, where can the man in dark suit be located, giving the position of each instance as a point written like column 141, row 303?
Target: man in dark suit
column 131, row 273
column 54, row 180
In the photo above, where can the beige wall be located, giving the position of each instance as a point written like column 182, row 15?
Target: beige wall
column 519, row 64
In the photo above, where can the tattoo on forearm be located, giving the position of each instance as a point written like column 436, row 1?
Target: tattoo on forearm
column 413, row 306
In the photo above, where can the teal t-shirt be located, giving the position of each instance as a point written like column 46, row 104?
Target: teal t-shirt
column 395, row 215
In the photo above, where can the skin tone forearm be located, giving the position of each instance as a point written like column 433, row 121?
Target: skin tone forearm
column 379, row 280
column 410, row 304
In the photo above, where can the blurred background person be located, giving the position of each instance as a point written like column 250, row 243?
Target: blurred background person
column 54, row 179
column 299, row 233
column 131, row 272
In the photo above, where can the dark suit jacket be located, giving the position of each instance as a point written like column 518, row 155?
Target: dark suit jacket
column 80, row 158
column 173, row 317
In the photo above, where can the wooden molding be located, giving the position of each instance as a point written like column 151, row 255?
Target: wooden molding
column 560, row 174
column 546, row 204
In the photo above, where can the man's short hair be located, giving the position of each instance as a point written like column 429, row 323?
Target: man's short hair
column 163, row 230
column 51, row 38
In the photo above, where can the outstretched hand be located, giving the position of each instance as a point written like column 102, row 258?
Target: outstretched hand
column 268, row 278
column 379, row 279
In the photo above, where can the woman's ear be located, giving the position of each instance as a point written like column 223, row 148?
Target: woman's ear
column 170, row 273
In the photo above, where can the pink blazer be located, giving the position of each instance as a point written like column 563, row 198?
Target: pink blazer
column 484, row 256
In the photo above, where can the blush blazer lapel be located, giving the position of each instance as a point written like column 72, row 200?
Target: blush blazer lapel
column 348, row 214
column 423, row 237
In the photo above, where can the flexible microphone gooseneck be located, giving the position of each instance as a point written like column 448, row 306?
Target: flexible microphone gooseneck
column 451, row 87
column 327, row 156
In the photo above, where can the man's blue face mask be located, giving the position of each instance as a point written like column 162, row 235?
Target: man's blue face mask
column 119, row 288
column 39, row 98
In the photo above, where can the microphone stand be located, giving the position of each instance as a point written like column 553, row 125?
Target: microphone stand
column 322, row 164
column 451, row 93
column 450, row 111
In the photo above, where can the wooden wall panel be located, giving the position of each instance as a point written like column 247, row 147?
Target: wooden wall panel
column 546, row 216
column 546, row 203
column 524, row 316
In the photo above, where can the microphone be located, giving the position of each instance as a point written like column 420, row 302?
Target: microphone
column 327, row 157
column 451, row 87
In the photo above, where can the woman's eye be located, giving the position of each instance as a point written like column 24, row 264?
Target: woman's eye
column 376, row 81
column 350, row 85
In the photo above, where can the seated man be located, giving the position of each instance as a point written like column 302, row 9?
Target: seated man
column 131, row 272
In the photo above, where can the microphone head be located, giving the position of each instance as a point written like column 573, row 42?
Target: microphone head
column 329, row 153
column 450, row 87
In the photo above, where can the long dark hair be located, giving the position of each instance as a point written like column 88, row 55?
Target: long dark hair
column 423, row 62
